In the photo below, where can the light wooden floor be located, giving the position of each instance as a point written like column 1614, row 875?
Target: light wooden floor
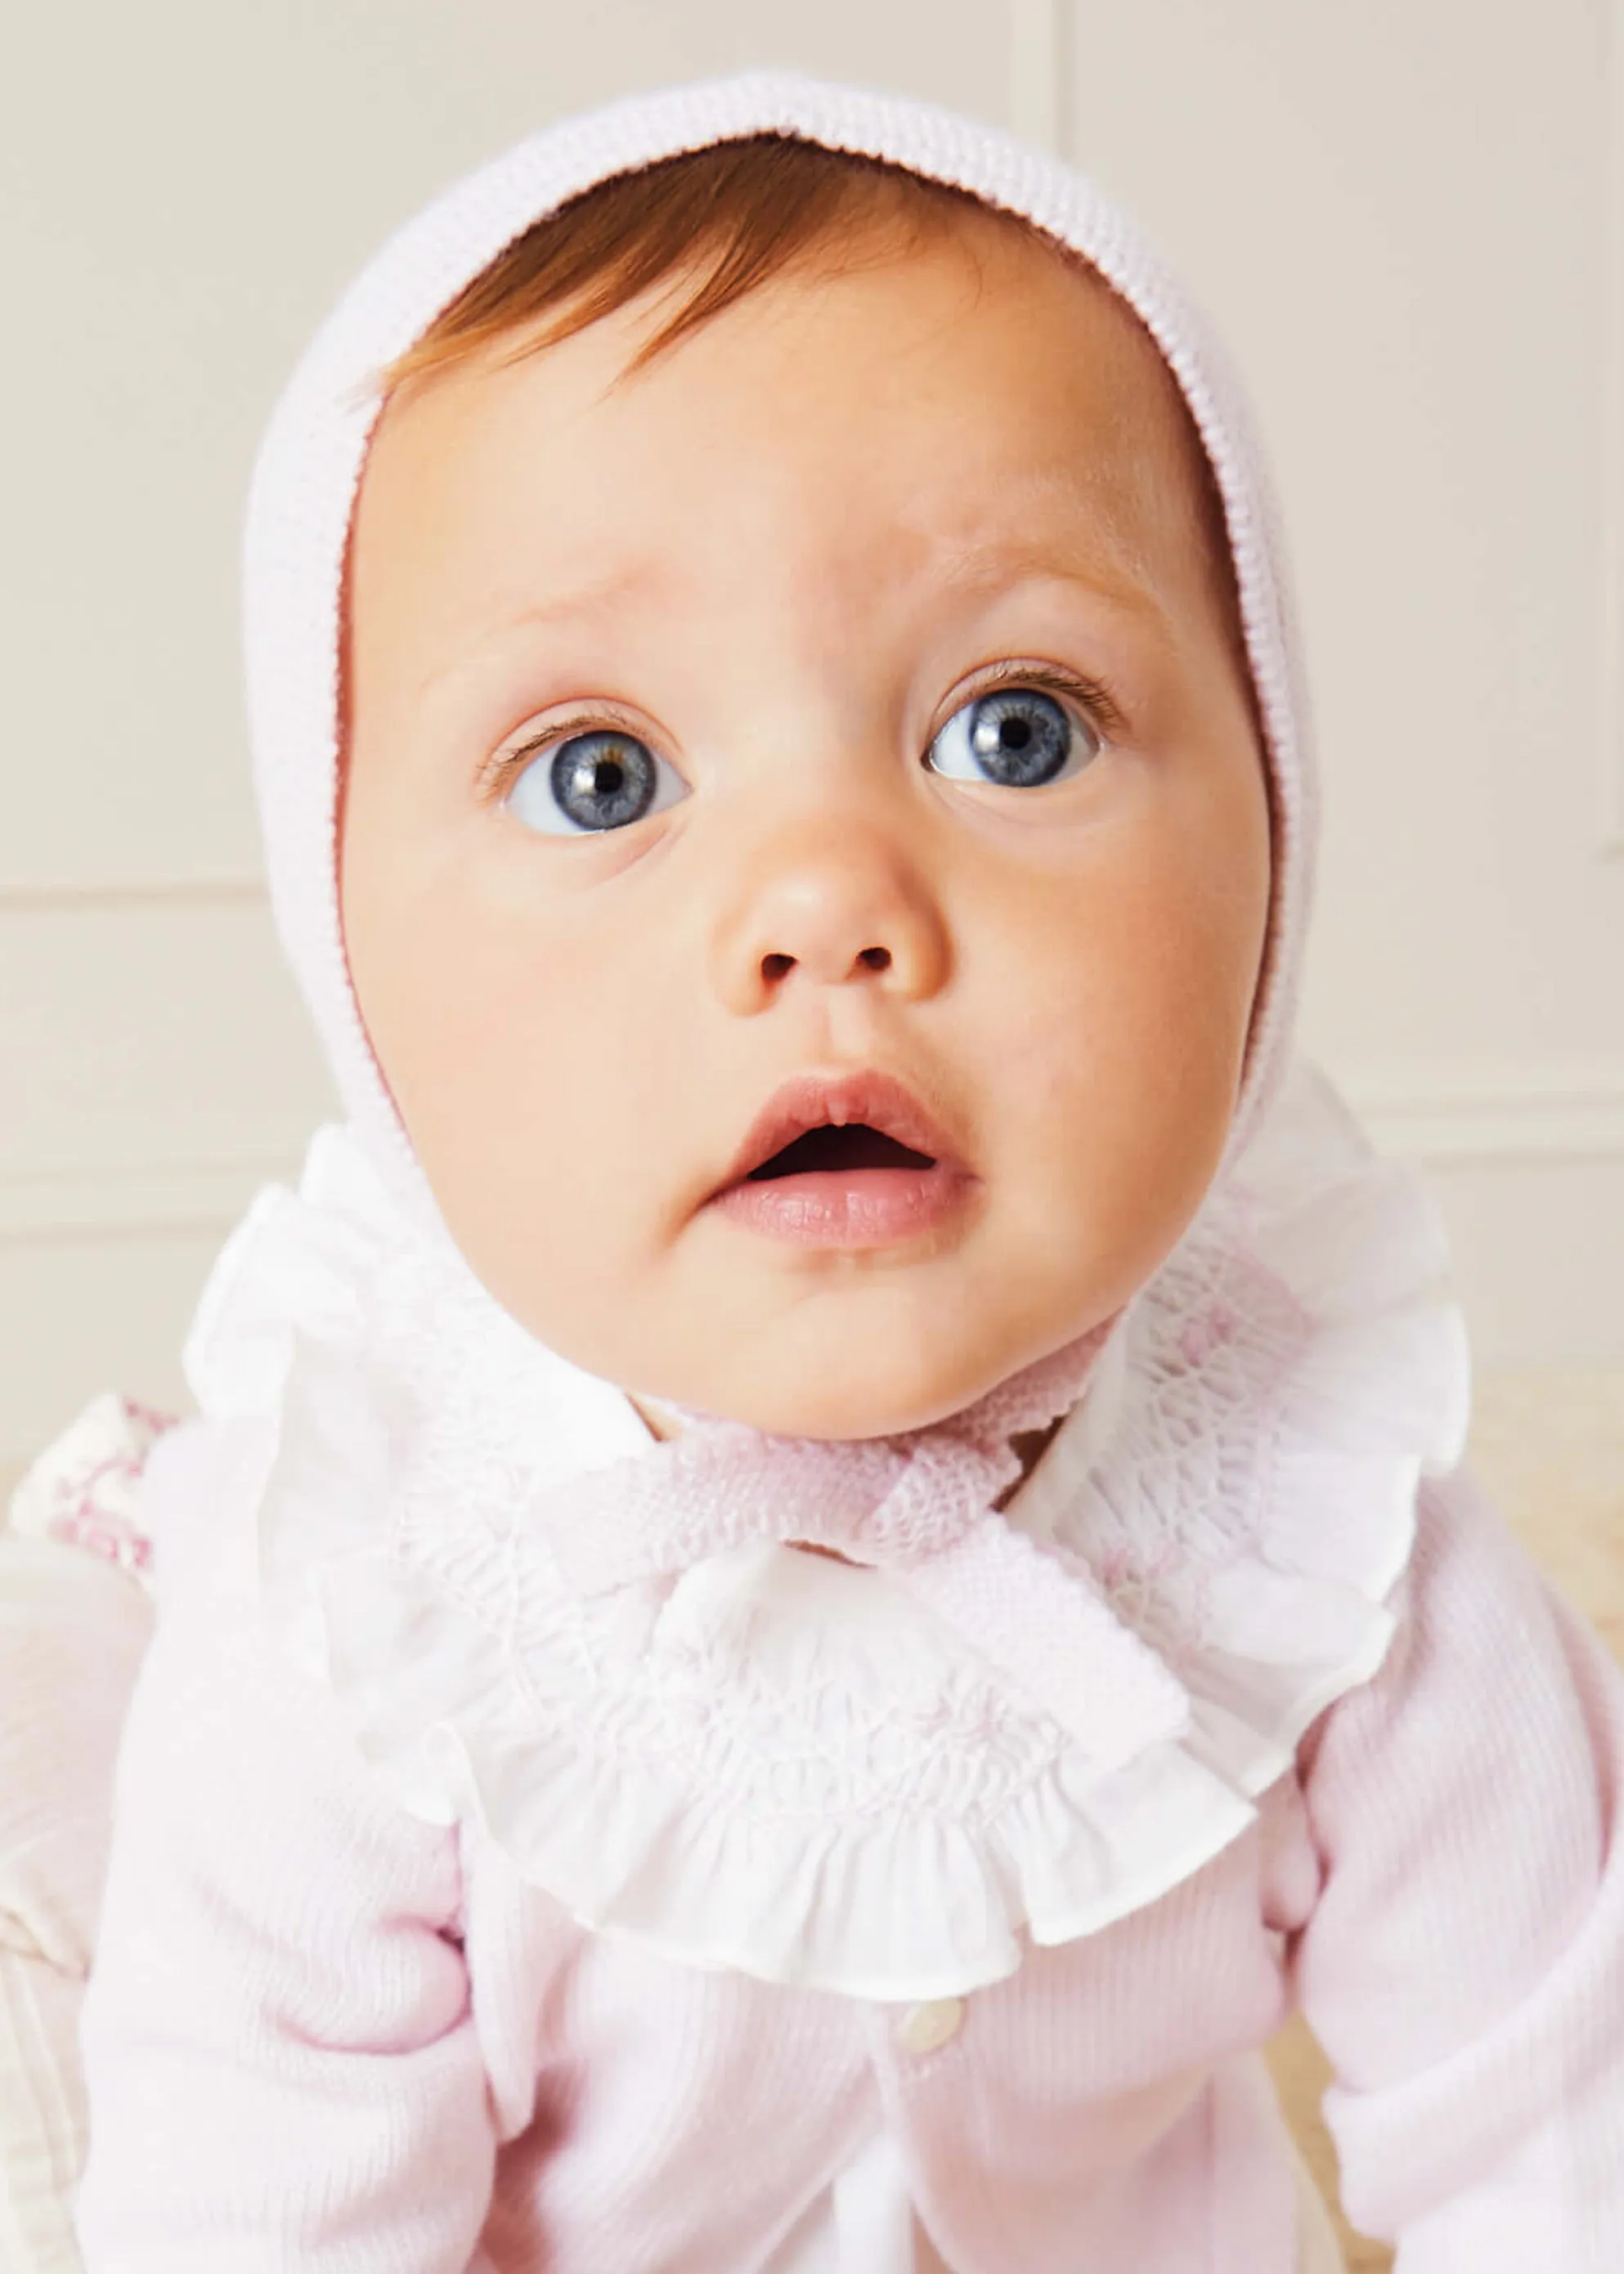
column 1550, row 1446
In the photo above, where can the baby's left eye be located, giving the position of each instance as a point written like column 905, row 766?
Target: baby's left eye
column 1017, row 736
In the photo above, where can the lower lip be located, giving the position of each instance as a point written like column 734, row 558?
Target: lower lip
column 850, row 1207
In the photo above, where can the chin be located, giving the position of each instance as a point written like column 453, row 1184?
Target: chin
column 845, row 1400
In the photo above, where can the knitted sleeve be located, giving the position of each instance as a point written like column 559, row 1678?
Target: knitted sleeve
column 280, row 2063
column 1465, row 1966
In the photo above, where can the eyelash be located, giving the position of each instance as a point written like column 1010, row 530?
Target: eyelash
column 504, row 766
column 1094, row 699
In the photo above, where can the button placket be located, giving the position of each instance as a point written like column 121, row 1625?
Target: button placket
column 927, row 2027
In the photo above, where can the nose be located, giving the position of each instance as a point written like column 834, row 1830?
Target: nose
column 830, row 905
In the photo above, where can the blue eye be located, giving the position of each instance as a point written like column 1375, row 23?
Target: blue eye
column 587, row 783
column 1018, row 737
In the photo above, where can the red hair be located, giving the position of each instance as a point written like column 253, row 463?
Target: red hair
column 726, row 218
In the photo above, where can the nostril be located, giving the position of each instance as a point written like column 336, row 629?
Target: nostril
column 774, row 964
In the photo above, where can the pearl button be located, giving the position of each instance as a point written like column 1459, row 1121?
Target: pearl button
column 925, row 2029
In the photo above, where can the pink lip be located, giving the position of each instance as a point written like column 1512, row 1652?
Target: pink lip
column 852, row 1208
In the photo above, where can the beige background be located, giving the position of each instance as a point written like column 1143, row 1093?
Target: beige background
column 1399, row 213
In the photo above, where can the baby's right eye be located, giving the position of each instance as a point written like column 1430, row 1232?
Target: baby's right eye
column 587, row 783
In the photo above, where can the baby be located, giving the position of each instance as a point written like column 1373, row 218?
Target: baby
column 802, row 1605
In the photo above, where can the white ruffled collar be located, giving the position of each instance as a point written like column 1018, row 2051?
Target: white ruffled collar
column 784, row 1765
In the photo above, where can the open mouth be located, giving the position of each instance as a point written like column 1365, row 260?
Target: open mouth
column 829, row 1149
column 855, row 1162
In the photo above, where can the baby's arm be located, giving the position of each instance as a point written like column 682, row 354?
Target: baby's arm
column 1464, row 1967
column 280, row 2055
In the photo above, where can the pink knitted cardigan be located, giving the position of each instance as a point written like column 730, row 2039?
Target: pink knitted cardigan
column 476, row 1907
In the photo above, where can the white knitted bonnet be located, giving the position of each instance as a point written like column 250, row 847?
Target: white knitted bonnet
column 311, row 463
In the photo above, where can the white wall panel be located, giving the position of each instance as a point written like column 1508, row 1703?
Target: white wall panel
column 155, row 1069
column 1612, row 786
column 79, row 1316
column 143, row 1037
column 1538, row 1247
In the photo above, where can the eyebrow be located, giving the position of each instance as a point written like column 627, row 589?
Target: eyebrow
column 595, row 597
column 1005, row 566
column 968, row 562
column 1112, row 565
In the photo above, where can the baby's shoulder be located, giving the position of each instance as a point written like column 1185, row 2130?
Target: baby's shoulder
column 1486, row 1655
column 222, row 1717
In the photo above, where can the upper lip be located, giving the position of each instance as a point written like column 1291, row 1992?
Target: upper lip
column 818, row 1102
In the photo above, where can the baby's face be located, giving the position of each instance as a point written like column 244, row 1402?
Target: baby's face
column 838, row 722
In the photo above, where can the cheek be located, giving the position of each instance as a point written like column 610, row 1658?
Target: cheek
column 1117, row 1027
column 514, row 1041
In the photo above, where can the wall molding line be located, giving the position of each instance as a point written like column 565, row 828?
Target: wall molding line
column 1039, row 77
column 1611, row 783
column 175, row 1196
column 1534, row 1116
column 118, row 896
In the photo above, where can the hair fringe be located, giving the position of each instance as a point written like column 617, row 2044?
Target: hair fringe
column 724, row 220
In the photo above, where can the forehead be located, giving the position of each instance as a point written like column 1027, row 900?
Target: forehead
column 968, row 405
